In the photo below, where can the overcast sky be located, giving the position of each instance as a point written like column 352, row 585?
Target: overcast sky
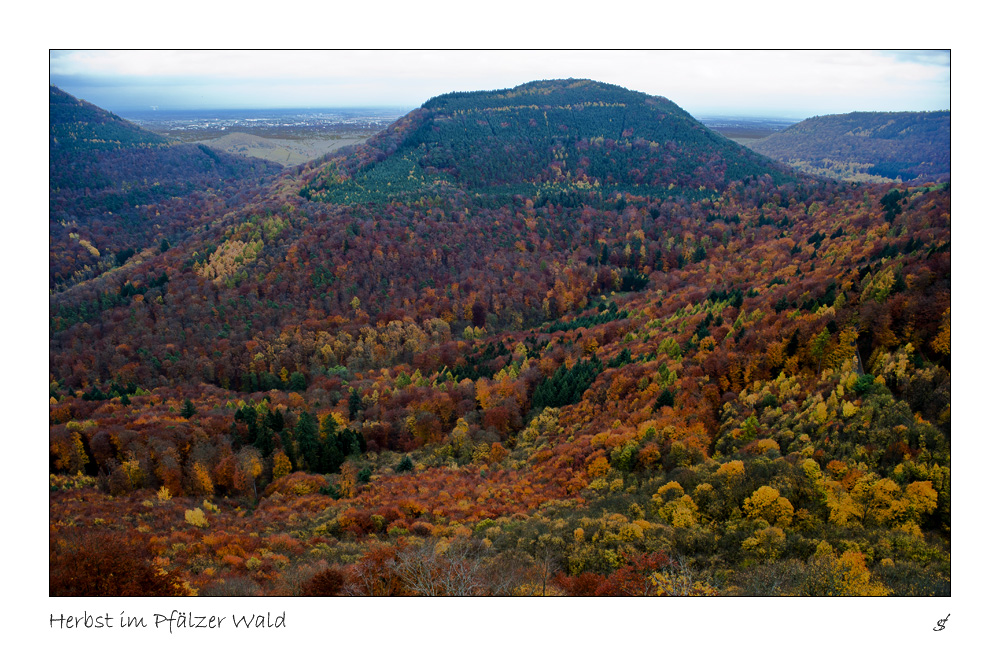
column 795, row 84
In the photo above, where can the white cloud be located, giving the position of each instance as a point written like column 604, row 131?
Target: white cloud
column 798, row 83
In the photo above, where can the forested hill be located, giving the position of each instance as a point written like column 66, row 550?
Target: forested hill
column 76, row 125
column 112, row 188
column 555, row 338
column 867, row 146
column 539, row 138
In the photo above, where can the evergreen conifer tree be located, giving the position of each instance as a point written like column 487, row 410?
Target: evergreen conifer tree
column 307, row 437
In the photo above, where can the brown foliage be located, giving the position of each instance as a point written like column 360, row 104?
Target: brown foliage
column 374, row 576
column 326, row 583
column 585, row 584
column 98, row 563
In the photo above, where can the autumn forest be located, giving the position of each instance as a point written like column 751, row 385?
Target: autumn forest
column 560, row 339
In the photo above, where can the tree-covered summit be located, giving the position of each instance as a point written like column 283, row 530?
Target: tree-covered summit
column 549, row 93
column 562, row 135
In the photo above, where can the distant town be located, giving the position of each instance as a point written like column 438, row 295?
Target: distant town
column 284, row 122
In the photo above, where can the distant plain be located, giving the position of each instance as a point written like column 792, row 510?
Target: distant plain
column 288, row 137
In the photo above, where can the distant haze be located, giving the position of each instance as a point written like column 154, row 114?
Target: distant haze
column 791, row 84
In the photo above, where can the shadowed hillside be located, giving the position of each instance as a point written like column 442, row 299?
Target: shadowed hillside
column 867, row 146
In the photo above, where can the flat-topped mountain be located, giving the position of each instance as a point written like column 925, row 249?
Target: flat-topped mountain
column 562, row 134
column 867, row 146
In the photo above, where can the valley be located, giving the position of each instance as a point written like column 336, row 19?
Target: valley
column 745, row 129
column 556, row 339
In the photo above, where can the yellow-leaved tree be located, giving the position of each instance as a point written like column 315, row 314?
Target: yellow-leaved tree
column 348, row 480
column 878, row 499
column 70, row 455
column 920, row 498
column 195, row 517
column 846, row 576
column 201, row 480
column 732, row 470
column 768, row 504
column 942, row 342
column 674, row 506
column 841, row 506
column 248, row 468
column 767, row 544
column 883, row 502
column 282, row 465
column 462, row 446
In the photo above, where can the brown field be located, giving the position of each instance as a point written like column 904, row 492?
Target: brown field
column 283, row 150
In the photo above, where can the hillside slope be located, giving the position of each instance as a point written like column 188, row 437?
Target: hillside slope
column 867, row 146
column 113, row 186
column 76, row 126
